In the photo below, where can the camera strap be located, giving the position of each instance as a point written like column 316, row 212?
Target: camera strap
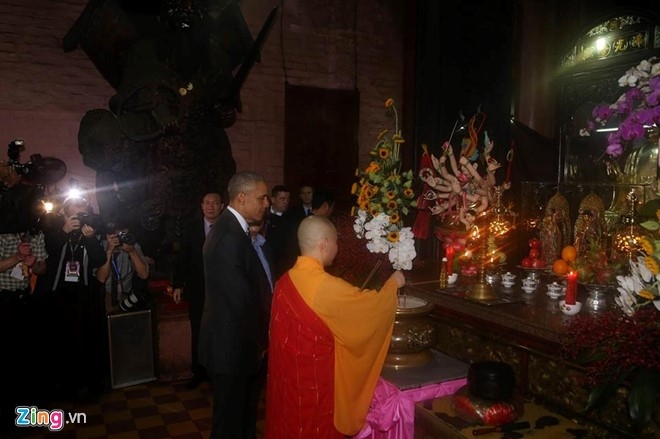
column 116, row 286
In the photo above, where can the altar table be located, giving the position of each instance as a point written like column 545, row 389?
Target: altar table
column 392, row 411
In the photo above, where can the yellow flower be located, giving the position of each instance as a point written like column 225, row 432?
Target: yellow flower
column 647, row 245
column 373, row 167
column 652, row 265
column 389, row 102
column 375, row 210
column 383, row 153
column 354, row 188
column 390, row 195
column 393, row 236
column 368, row 193
column 353, row 211
column 382, row 133
column 391, row 205
column 394, row 218
column 397, row 138
column 375, row 189
column 646, row 294
column 408, row 193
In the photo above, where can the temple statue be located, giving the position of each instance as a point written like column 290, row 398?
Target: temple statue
column 589, row 226
column 177, row 67
column 555, row 232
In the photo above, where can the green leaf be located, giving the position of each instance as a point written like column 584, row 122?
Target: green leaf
column 604, row 391
column 642, row 397
column 375, row 177
column 651, row 225
column 404, row 210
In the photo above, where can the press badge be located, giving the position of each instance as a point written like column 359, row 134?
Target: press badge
column 17, row 271
column 72, row 273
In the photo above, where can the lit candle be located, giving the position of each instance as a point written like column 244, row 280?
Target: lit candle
column 449, row 253
column 571, row 287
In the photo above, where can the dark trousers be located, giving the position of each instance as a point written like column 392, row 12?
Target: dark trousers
column 195, row 309
column 235, row 404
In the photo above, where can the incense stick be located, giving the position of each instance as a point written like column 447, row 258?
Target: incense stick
column 371, row 274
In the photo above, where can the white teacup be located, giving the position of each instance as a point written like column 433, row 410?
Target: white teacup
column 529, row 284
column 508, row 283
column 508, row 277
column 555, row 290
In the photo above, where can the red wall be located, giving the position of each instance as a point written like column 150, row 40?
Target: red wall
column 44, row 92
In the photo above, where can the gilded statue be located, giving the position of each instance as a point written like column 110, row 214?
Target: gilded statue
column 589, row 226
column 555, row 228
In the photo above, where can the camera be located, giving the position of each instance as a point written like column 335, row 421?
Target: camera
column 133, row 301
column 92, row 220
column 126, row 238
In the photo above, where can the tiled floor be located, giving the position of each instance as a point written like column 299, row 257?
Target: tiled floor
column 154, row 410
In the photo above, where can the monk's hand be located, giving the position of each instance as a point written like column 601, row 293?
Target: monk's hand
column 398, row 278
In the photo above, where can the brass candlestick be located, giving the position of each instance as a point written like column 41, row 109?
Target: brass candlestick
column 481, row 290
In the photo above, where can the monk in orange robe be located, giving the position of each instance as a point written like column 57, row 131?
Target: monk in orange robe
column 328, row 342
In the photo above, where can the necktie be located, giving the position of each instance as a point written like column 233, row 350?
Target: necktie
column 257, row 242
column 208, row 230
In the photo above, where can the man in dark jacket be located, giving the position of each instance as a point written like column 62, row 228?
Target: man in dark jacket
column 188, row 276
column 234, row 331
column 78, row 312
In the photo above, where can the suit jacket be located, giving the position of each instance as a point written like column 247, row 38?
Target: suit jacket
column 234, row 330
column 189, row 267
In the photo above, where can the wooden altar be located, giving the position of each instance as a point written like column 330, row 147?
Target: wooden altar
column 526, row 332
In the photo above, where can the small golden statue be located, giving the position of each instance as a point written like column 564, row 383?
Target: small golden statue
column 589, row 226
column 555, row 230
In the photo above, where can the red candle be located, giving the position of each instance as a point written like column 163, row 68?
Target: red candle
column 449, row 253
column 571, row 288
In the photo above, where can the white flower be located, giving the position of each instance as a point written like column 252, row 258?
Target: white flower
column 401, row 253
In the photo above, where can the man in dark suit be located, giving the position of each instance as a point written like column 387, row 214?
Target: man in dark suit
column 322, row 204
column 234, row 331
column 188, row 275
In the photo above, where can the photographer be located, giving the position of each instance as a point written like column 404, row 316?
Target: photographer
column 78, row 311
column 124, row 261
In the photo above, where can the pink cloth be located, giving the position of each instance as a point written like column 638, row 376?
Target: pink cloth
column 392, row 411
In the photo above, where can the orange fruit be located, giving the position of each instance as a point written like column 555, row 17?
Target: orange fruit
column 569, row 253
column 560, row 267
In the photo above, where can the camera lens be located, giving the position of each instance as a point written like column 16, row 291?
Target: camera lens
column 130, row 303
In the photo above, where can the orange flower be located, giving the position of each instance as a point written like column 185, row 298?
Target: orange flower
column 389, row 102
column 391, row 205
column 394, row 218
column 652, row 265
column 390, row 195
column 646, row 294
column 382, row 133
column 408, row 193
column 383, row 153
column 354, row 188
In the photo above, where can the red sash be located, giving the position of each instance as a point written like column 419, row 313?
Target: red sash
column 301, row 363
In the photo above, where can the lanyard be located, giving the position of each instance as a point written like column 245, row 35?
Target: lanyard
column 115, row 267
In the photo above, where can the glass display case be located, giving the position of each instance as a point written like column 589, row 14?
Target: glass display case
column 535, row 197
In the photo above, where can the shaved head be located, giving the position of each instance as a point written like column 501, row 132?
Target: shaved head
column 317, row 237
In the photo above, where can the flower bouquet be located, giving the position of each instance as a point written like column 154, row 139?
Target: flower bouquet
column 637, row 109
column 384, row 196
